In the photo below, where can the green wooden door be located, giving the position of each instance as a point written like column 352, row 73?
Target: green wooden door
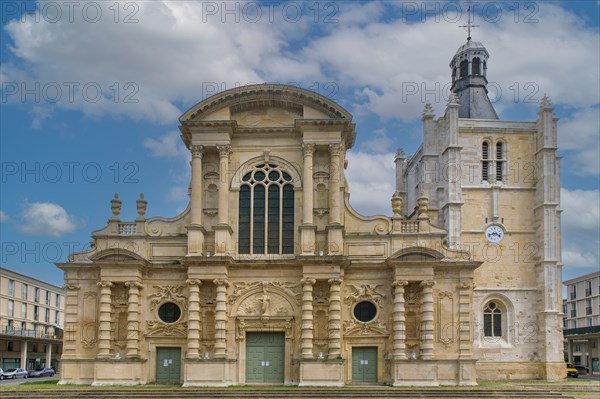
column 168, row 365
column 264, row 357
column 364, row 364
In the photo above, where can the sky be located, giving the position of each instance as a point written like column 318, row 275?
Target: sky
column 91, row 93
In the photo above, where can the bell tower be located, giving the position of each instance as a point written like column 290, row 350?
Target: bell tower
column 469, row 79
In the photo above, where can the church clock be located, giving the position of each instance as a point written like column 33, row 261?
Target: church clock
column 494, row 233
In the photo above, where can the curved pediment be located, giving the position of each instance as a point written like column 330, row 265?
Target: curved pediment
column 417, row 253
column 280, row 104
column 117, row 255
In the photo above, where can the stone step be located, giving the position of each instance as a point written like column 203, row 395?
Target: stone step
column 282, row 393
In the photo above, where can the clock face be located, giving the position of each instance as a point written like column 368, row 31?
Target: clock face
column 494, row 233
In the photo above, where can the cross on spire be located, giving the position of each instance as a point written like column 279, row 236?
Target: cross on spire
column 469, row 25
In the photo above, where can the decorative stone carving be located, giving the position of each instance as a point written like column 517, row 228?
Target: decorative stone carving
column 239, row 289
column 168, row 293
column 158, row 328
column 197, row 151
column 355, row 327
column 141, row 205
column 397, row 204
column 71, row 287
column 115, row 207
column 265, row 303
column 266, row 324
column 308, row 149
column 364, row 292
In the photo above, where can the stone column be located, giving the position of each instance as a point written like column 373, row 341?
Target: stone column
column 221, row 318
column 335, row 318
column 133, row 318
column 196, row 200
column 104, row 327
column 24, row 354
column 427, row 320
column 71, row 319
column 398, row 320
column 195, row 230
column 49, row 354
column 193, row 335
column 307, row 184
column 334, row 183
column 224, row 152
column 465, row 320
column 307, row 318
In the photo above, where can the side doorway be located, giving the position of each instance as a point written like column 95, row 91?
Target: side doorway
column 168, row 365
column 364, row 365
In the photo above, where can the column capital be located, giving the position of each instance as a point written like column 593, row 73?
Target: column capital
column 224, row 150
column 465, row 286
column 336, row 148
column 193, row 281
column 71, row 287
column 308, row 149
column 197, row 151
column 308, row 281
column 427, row 283
column 104, row 284
column 221, row 281
column 400, row 283
column 335, row 281
column 134, row 284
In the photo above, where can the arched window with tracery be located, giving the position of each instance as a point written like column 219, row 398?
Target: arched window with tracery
column 499, row 161
column 266, row 212
column 492, row 320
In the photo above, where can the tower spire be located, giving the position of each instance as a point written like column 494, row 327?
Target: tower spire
column 469, row 25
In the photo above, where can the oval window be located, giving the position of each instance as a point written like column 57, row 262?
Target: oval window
column 169, row 312
column 365, row 311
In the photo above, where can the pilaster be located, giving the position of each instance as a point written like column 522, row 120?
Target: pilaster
column 307, row 230
column 307, row 318
column 335, row 318
column 195, row 230
column 104, row 319
column 193, row 334
column 221, row 318
column 133, row 319
column 398, row 320
column 427, row 319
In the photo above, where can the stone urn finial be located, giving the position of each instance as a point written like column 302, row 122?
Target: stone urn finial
column 115, row 207
column 397, row 204
column 423, row 203
column 142, row 204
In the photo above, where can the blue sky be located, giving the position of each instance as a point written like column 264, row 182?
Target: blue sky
column 91, row 93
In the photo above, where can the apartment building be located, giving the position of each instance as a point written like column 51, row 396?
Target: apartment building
column 31, row 321
column 582, row 321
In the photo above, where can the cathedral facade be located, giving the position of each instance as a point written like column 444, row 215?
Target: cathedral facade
column 270, row 277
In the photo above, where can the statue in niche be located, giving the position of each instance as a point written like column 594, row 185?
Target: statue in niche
column 265, row 301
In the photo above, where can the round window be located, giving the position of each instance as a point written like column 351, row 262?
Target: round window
column 169, row 312
column 365, row 311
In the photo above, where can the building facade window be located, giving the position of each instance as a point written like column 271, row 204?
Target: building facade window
column 577, row 348
column 573, row 310
column 11, row 287
column 24, row 291
column 47, row 297
column 10, row 308
column 574, row 292
column 23, row 325
column 47, row 315
column 36, row 296
column 58, row 300
column 588, row 288
column 499, row 161
column 36, row 313
column 9, row 325
column 266, row 212
column 57, row 317
column 485, row 163
column 492, row 320
column 24, row 310
column 493, row 162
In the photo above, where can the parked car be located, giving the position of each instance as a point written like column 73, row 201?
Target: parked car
column 1, row 374
column 582, row 370
column 15, row 373
column 48, row 371
column 572, row 371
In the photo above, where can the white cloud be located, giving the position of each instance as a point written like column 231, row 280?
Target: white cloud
column 3, row 216
column 580, row 222
column 168, row 146
column 371, row 181
column 46, row 219
column 378, row 141
column 580, row 133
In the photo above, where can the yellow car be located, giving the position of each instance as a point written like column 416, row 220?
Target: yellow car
column 572, row 371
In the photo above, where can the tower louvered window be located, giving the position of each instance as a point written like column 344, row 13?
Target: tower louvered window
column 266, row 212
column 499, row 162
column 485, row 164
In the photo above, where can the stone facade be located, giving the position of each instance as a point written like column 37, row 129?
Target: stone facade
column 270, row 248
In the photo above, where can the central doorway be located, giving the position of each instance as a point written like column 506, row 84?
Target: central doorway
column 364, row 364
column 265, row 357
column 168, row 365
